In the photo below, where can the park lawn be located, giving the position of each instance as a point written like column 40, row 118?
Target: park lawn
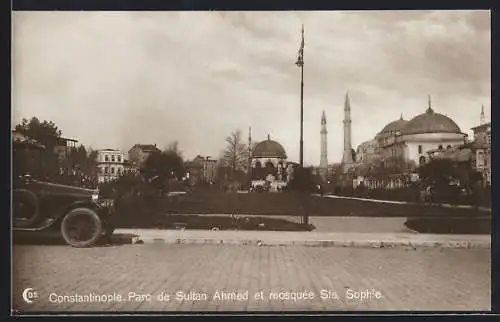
column 292, row 204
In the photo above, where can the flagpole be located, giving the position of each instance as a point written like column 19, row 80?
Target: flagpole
column 302, row 102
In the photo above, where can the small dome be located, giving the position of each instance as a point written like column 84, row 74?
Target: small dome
column 269, row 149
column 431, row 122
column 394, row 126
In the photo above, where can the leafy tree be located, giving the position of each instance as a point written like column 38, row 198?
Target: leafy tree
column 45, row 132
column 303, row 180
column 160, row 167
column 82, row 160
column 235, row 156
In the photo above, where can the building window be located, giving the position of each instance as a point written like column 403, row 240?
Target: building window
column 112, row 170
column 440, row 147
column 106, row 170
column 422, row 160
column 419, row 149
column 106, row 158
column 119, row 158
column 113, row 158
column 103, row 170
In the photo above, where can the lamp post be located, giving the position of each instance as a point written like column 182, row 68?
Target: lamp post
column 300, row 63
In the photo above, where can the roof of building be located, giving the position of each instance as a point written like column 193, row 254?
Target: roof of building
column 146, row 147
column 395, row 126
column 269, row 149
column 128, row 163
column 110, row 150
column 481, row 127
column 21, row 139
column 367, row 144
column 431, row 122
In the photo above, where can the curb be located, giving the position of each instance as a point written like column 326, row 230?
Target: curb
column 308, row 243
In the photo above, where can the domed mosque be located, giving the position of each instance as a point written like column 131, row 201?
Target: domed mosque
column 269, row 164
column 413, row 139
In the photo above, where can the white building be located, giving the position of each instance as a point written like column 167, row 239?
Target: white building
column 110, row 164
column 413, row 139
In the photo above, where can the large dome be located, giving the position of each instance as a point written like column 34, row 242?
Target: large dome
column 394, row 126
column 431, row 122
column 269, row 149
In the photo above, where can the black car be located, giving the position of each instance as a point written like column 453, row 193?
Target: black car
column 81, row 217
column 78, row 214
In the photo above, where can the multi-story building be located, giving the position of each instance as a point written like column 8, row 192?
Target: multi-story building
column 110, row 164
column 482, row 140
column 139, row 153
column 202, row 169
column 63, row 147
column 129, row 167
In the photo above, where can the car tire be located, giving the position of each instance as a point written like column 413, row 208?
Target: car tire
column 78, row 217
column 25, row 196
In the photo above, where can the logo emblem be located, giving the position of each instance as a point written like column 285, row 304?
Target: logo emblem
column 29, row 294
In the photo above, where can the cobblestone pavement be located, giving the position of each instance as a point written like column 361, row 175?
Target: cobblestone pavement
column 426, row 279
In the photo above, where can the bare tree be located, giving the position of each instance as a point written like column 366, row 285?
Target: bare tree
column 173, row 148
column 235, row 156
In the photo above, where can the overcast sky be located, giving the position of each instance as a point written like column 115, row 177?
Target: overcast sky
column 113, row 79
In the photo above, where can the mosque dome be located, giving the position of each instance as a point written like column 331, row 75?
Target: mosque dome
column 394, row 126
column 431, row 122
column 269, row 149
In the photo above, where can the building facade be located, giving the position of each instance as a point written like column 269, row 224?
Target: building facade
column 482, row 139
column 402, row 144
column 139, row 153
column 412, row 140
column 110, row 164
column 367, row 151
column 129, row 167
column 202, row 169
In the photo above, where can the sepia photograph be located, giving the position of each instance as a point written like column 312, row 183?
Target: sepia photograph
column 250, row 161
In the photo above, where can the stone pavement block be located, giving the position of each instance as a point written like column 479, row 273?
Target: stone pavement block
column 426, row 278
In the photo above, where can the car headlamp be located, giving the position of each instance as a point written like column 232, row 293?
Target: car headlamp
column 95, row 196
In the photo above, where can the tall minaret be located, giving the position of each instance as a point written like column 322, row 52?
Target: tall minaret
column 323, row 163
column 347, row 157
column 482, row 120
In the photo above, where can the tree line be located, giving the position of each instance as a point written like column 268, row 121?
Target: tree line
column 168, row 163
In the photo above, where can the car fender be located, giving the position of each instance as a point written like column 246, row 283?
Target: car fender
column 79, row 204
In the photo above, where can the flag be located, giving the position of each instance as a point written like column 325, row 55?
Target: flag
column 300, row 59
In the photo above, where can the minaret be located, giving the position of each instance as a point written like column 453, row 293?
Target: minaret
column 482, row 120
column 323, row 164
column 347, row 157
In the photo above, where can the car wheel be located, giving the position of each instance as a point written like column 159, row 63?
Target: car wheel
column 81, row 227
column 26, row 208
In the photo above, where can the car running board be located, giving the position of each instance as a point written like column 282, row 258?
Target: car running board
column 46, row 223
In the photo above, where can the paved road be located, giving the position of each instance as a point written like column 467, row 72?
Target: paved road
column 434, row 279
